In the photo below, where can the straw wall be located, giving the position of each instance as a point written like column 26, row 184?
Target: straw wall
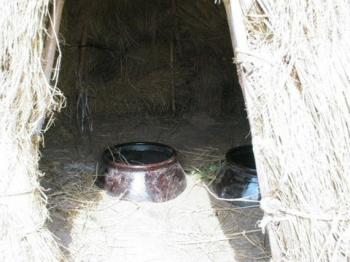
column 293, row 59
column 25, row 98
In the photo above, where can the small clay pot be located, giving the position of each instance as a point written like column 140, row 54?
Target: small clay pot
column 238, row 178
column 143, row 171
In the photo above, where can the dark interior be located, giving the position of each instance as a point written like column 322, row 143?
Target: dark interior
column 154, row 70
column 242, row 156
column 139, row 153
column 153, row 57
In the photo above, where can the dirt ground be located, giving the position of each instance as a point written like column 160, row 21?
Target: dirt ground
column 216, row 230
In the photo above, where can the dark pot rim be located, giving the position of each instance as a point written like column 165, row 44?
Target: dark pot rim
column 238, row 151
column 134, row 167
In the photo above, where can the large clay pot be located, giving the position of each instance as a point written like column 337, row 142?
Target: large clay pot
column 143, row 171
column 238, row 178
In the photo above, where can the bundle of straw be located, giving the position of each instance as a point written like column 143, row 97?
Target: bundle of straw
column 294, row 66
column 25, row 98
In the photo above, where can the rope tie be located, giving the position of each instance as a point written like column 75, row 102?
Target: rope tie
column 274, row 211
column 17, row 194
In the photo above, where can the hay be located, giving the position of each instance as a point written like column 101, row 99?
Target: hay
column 296, row 83
column 25, row 98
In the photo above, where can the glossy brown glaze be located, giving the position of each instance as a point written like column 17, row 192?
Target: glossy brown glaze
column 237, row 177
column 158, row 178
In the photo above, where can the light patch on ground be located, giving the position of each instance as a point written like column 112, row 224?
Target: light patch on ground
column 184, row 229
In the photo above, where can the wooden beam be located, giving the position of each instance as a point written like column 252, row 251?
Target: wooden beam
column 51, row 42
column 174, row 35
column 50, row 48
column 239, row 38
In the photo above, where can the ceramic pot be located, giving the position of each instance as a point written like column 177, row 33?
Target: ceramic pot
column 143, row 171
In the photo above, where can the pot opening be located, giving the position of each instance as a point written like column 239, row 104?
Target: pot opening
column 242, row 156
column 139, row 153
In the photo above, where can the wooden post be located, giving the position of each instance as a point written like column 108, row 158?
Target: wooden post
column 82, row 113
column 49, row 55
column 173, row 87
column 52, row 39
column 82, row 53
column 239, row 40
column 172, row 57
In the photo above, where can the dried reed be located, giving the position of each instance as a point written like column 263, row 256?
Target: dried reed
column 295, row 76
column 25, row 98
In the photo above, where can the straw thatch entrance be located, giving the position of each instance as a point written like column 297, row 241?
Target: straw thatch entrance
column 153, row 71
column 292, row 62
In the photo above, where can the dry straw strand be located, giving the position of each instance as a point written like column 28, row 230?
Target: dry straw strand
column 26, row 97
column 297, row 95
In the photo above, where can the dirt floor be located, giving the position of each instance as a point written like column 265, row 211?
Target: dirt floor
column 206, row 229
